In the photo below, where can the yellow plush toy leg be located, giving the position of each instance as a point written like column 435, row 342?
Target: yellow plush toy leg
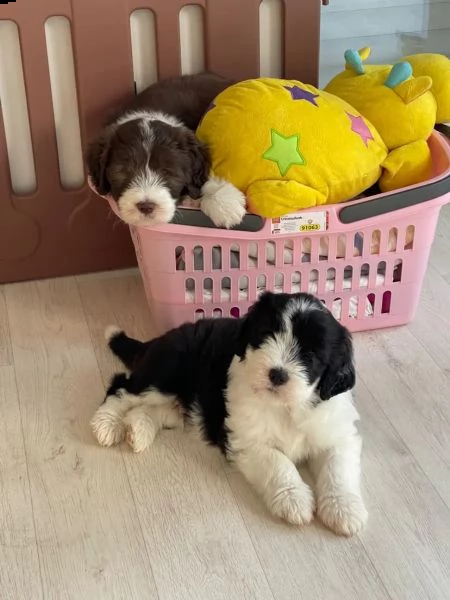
column 274, row 198
column 406, row 165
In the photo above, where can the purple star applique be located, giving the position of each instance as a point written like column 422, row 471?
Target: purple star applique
column 297, row 93
column 360, row 128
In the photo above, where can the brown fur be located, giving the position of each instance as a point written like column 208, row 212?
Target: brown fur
column 120, row 152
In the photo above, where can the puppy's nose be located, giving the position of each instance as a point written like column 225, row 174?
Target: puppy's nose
column 278, row 376
column 146, row 207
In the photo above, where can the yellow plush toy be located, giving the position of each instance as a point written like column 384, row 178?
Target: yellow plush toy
column 289, row 146
column 401, row 108
column 436, row 66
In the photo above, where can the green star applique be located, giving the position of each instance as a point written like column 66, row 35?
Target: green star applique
column 284, row 151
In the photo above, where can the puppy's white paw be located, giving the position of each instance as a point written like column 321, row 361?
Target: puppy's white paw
column 111, row 331
column 345, row 514
column 140, row 429
column 295, row 505
column 107, row 424
column 223, row 203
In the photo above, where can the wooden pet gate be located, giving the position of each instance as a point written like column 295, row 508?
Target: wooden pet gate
column 50, row 222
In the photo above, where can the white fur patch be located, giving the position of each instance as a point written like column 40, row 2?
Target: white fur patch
column 222, row 202
column 149, row 115
column 111, row 331
column 272, row 429
column 150, row 186
column 135, row 418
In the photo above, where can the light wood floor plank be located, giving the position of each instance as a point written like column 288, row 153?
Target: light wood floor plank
column 5, row 341
column 88, row 533
column 413, row 394
column 194, row 531
column 406, row 539
column 310, row 562
column 19, row 562
column 432, row 323
column 440, row 255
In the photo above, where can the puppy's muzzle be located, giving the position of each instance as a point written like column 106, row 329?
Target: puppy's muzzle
column 146, row 208
column 278, row 377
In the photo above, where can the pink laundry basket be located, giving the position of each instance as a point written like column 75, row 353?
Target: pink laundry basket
column 370, row 275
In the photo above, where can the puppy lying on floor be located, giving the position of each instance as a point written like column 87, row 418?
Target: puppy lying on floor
column 270, row 390
column 147, row 157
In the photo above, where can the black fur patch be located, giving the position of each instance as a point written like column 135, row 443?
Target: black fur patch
column 192, row 361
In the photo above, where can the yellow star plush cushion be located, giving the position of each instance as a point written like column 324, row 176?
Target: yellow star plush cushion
column 289, row 146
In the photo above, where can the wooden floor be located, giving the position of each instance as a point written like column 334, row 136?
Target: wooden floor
column 80, row 522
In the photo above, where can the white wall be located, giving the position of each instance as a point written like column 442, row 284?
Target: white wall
column 392, row 28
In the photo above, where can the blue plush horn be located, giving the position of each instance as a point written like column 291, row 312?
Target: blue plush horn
column 399, row 73
column 353, row 60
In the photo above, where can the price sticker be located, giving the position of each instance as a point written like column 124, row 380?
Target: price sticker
column 303, row 222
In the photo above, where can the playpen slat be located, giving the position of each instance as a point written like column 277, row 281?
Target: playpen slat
column 302, row 40
column 27, row 10
column 232, row 37
column 107, row 81
column 168, row 36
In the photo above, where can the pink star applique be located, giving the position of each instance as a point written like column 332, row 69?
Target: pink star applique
column 360, row 128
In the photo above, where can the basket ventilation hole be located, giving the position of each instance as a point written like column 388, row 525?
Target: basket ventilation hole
column 323, row 248
column 331, row 279
column 397, row 274
column 409, row 238
column 371, row 299
column 270, row 253
column 337, row 308
column 358, row 244
column 216, row 258
column 243, row 287
column 353, row 307
column 381, row 271
column 296, row 282
column 386, row 304
column 287, row 252
column 190, row 290
column 393, row 237
column 235, row 257
column 207, row 289
column 364, row 276
column 306, row 251
column 180, row 260
column 198, row 258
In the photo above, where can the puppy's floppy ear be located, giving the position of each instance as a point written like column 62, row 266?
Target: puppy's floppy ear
column 243, row 339
column 261, row 320
column 97, row 157
column 339, row 375
column 198, row 166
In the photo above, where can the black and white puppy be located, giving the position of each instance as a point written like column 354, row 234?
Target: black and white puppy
column 271, row 390
column 148, row 159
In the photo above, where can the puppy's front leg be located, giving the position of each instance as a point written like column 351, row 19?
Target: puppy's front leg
column 337, row 473
column 277, row 480
column 222, row 202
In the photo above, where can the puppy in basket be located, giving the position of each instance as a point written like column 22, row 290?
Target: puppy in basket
column 148, row 159
column 271, row 390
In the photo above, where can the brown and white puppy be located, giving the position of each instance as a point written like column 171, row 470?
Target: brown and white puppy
column 147, row 157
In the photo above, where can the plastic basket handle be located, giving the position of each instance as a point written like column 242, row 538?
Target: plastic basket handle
column 395, row 201
column 196, row 218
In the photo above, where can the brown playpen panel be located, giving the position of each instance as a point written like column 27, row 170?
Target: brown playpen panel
column 57, row 231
